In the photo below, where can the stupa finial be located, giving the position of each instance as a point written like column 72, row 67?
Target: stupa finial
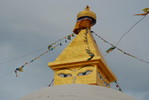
column 87, row 8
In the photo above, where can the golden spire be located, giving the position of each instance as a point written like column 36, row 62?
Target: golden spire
column 81, row 61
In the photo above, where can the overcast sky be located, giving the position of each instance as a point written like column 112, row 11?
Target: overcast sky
column 27, row 27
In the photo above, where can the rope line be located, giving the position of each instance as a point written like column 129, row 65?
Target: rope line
column 50, row 48
column 88, row 51
column 128, row 54
column 51, row 82
column 18, row 58
column 117, row 85
column 130, row 29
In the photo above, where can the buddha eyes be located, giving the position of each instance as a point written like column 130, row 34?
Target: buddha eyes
column 64, row 75
column 84, row 73
column 79, row 74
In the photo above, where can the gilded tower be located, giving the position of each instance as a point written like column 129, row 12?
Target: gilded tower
column 81, row 62
column 82, row 66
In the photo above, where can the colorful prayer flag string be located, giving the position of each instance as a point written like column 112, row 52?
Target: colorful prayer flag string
column 88, row 51
column 51, row 47
column 102, row 78
column 113, row 47
column 20, row 69
column 119, row 88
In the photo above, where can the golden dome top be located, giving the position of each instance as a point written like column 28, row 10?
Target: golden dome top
column 86, row 12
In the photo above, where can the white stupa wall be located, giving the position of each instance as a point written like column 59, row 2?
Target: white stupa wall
column 77, row 92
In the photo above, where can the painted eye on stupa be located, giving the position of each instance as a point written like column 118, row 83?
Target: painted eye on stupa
column 84, row 73
column 64, row 75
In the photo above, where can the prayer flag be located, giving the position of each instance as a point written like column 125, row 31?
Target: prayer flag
column 146, row 11
column 69, row 37
column 49, row 47
column 110, row 49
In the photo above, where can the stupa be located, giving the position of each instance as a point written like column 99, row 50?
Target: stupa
column 80, row 71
